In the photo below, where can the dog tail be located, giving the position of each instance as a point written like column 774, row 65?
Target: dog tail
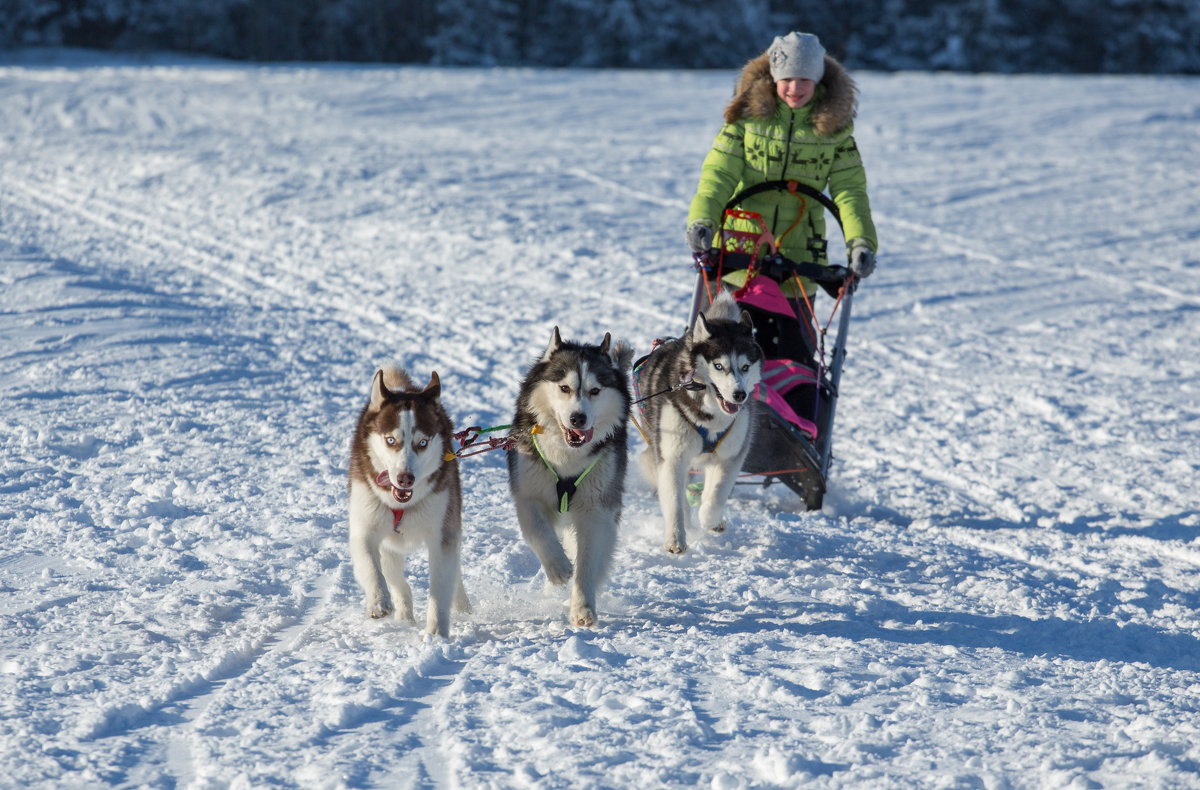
column 622, row 354
column 724, row 308
column 396, row 379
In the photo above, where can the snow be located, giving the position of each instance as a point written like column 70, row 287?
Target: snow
column 202, row 264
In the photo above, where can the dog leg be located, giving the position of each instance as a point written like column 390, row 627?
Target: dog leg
column 462, row 604
column 540, row 536
column 672, row 497
column 648, row 467
column 443, row 575
column 719, row 479
column 596, row 537
column 392, row 564
column 364, row 558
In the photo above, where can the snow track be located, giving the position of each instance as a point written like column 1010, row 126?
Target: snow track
column 183, row 735
column 201, row 266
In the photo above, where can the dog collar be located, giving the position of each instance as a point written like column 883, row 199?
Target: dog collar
column 710, row 445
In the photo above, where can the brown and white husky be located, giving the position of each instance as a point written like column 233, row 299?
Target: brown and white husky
column 404, row 492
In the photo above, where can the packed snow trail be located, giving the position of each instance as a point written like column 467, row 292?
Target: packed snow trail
column 202, row 264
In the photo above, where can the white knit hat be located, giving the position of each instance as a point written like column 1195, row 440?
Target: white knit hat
column 797, row 55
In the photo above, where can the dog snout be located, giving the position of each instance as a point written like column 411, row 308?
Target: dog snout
column 578, row 420
column 404, row 480
column 739, row 395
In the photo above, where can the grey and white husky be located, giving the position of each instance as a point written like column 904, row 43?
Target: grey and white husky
column 404, row 492
column 707, row 424
column 567, row 467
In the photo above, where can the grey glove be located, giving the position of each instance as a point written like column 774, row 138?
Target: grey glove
column 700, row 236
column 862, row 261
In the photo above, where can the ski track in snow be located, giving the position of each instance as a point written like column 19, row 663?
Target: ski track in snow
column 201, row 265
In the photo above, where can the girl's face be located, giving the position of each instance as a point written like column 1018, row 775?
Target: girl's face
column 795, row 91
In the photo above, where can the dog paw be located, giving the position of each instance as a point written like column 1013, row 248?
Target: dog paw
column 433, row 629
column 558, row 572
column 676, row 547
column 378, row 611
column 718, row 527
column 582, row 616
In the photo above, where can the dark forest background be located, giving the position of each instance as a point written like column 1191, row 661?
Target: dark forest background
column 1082, row 36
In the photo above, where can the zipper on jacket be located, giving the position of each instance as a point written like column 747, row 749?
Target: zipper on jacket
column 787, row 155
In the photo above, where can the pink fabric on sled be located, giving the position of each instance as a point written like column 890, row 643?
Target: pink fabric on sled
column 765, row 293
column 785, row 375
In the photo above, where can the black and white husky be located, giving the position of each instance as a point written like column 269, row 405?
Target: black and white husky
column 707, row 424
column 567, row 467
column 404, row 492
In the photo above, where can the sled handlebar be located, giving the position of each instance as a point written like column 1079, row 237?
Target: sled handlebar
column 777, row 267
column 794, row 187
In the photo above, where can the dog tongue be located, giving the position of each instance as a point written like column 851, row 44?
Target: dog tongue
column 730, row 408
column 581, row 437
column 384, row 480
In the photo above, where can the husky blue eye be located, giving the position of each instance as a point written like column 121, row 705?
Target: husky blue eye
column 391, row 441
column 423, row 444
column 718, row 366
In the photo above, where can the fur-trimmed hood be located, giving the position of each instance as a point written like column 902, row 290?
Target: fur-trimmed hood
column 833, row 108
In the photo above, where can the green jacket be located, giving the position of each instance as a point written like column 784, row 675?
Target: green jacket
column 765, row 140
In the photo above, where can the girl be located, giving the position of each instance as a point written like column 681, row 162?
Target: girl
column 791, row 119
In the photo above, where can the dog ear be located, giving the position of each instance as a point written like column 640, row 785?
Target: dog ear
column 379, row 391
column 433, row 389
column 747, row 321
column 606, row 343
column 555, row 345
column 701, row 331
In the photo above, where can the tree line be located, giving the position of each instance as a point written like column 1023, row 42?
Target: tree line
column 1006, row 36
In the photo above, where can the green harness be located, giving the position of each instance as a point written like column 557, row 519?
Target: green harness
column 565, row 488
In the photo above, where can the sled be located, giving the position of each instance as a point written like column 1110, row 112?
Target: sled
column 798, row 395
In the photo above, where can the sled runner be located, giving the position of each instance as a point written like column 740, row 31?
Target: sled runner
column 798, row 394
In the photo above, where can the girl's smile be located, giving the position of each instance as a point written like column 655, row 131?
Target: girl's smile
column 795, row 91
